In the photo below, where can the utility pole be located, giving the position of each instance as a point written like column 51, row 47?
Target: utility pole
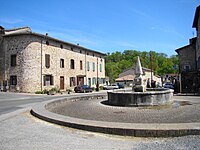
column 97, row 86
column 151, row 66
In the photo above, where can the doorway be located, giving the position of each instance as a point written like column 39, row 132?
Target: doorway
column 62, row 82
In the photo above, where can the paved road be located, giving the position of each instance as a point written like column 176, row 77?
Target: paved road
column 21, row 131
column 10, row 102
column 187, row 111
column 13, row 101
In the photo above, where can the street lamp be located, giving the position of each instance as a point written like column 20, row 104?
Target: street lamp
column 97, row 86
column 151, row 65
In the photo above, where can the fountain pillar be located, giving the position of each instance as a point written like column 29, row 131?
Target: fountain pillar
column 139, row 85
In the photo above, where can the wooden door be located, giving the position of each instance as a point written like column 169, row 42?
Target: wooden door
column 62, row 82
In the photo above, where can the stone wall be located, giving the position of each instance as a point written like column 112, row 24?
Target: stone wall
column 198, row 45
column 28, row 48
column 186, row 58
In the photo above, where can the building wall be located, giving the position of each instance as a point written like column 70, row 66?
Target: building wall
column 198, row 45
column 28, row 47
column 145, row 76
column 186, row 58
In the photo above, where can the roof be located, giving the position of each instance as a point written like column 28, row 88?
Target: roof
column 2, row 28
column 126, row 78
column 27, row 31
column 177, row 50
column 196, row 17
column 192, row 43
column 133, row 68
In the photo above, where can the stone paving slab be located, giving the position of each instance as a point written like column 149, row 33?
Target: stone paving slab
column 95, row 110
column 150, row 129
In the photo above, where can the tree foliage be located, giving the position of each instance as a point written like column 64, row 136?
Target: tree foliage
column 161, row 64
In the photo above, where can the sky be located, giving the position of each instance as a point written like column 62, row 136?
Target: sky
column 107, row 26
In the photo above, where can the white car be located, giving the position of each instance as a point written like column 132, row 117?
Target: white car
column 110, row 87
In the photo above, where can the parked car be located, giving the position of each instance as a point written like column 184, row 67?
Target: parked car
column 110, row 87
column 169, row 86
column 121, row 86
column 82, row 89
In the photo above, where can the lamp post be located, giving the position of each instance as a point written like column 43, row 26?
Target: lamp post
column 97, row 86
column 151, row 65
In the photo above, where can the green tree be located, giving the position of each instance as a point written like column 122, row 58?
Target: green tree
column 117, row 62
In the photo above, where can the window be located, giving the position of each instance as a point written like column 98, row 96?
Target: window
column 93, row 67
column 103, row 80
column 72, row 81
column 81, row 65
column 88, row 66
column 93, row 81
column 48, row 80
column 13, row 80
column 61, row 63
column 13, row 60
column 89, row 82
column 47, row 60
column 72, row 65
column 100, row 67
column 187, row 68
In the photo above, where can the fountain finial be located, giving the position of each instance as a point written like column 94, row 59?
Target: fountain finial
column 138, row 81
column 138, row 67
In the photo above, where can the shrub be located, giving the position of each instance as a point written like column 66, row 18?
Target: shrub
column 101, row 87
column 45, row 91
column 38, row 92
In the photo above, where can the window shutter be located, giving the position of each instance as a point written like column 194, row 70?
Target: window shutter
column 44, row 80
column 51, row 80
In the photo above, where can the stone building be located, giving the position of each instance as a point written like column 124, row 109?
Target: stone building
column 32, row 62
column 128, row 75
column 189, row 59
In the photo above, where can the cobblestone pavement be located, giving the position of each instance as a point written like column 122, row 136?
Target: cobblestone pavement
column 23, row 131
column 95, row 110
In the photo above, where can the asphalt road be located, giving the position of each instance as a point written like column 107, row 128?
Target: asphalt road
column 10, row 102
column 21, row 131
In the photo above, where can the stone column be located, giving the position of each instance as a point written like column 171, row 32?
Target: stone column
column 139, row 84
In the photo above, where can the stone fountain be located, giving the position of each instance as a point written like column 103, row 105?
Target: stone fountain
column 140, row 95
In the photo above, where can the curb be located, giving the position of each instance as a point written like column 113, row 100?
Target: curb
column 124, row 129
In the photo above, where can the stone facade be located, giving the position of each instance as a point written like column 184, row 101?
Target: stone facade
column 67, row 63
column 189, row 59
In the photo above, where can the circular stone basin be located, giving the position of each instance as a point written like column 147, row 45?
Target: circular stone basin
column 151, row 97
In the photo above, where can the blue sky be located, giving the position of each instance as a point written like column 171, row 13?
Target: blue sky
column 107, row 25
